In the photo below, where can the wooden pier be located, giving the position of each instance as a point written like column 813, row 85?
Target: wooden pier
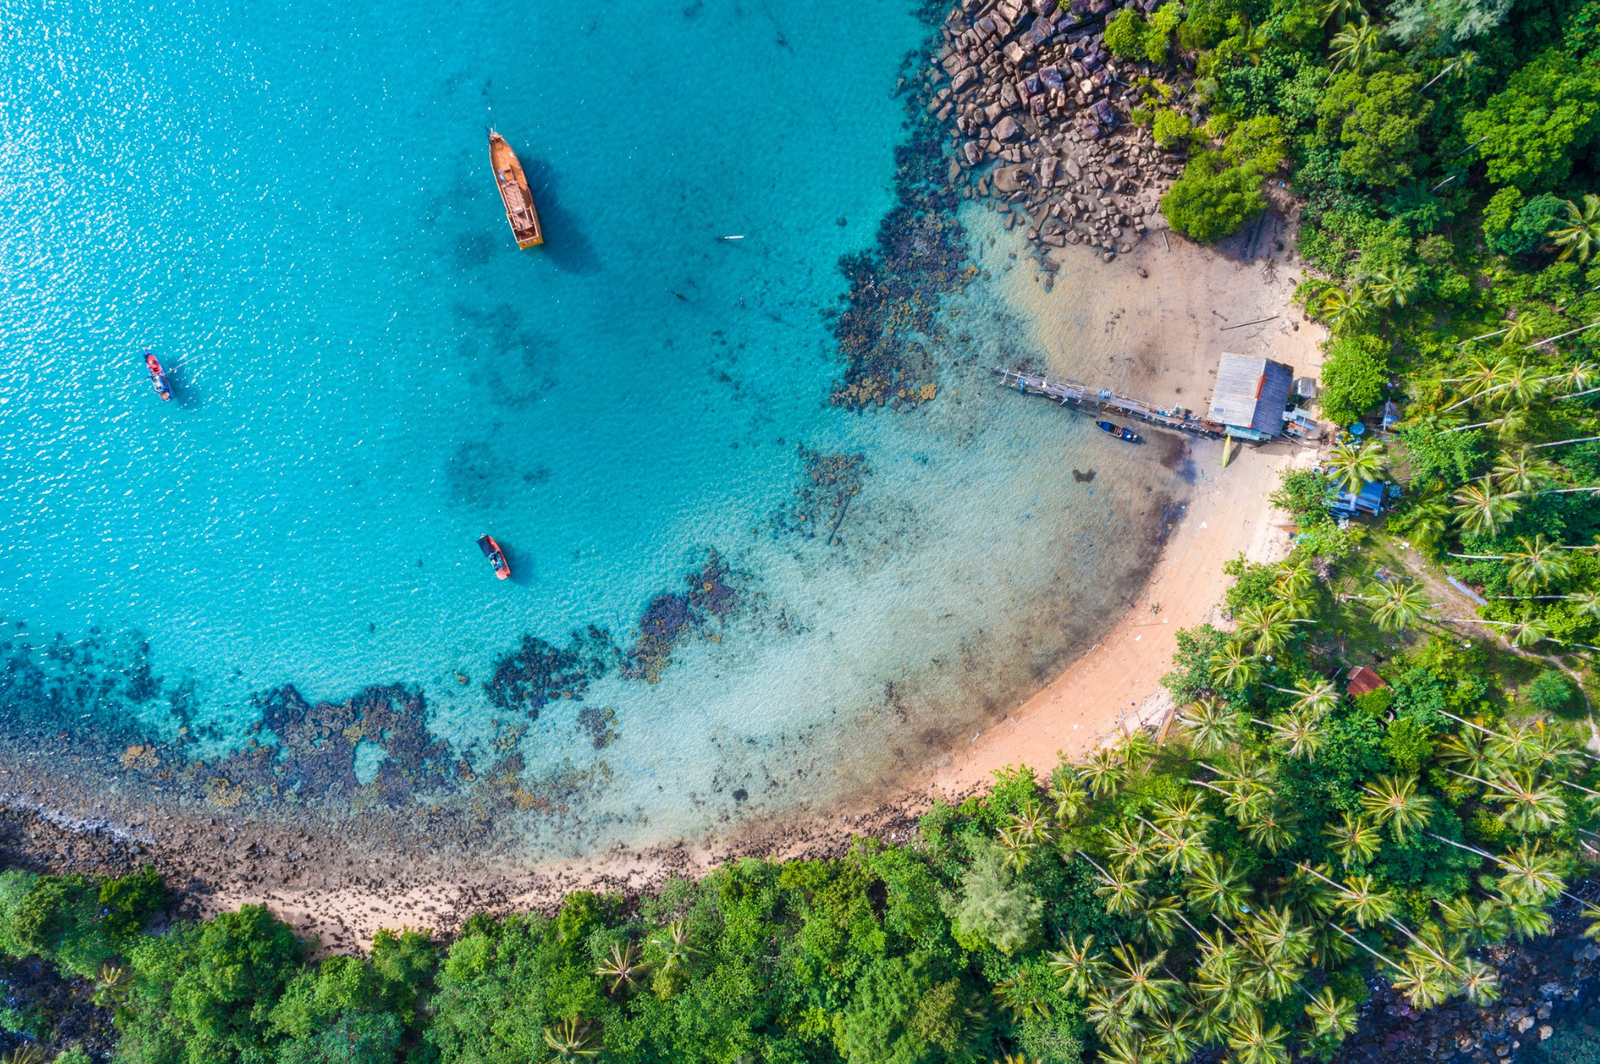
column 1104, row 400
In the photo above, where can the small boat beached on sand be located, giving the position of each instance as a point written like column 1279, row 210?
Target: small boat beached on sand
column 158, row 376
column 514, row 193
column 496, row 556
column 1119, row 432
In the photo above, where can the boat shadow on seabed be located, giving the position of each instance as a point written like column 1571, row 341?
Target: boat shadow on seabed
column 564, row 243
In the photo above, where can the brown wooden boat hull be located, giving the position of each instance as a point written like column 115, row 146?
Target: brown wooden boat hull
column 515, row 195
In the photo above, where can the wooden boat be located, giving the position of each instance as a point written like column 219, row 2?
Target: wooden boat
column 496, row 556
column 514, row 193
column 1119, row 432
column 158, row 376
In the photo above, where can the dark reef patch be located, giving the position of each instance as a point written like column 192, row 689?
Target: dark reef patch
column 672, row 617
column 821, row 502
column 315, row 753
column 595, row 724
column 895, row 290
column 538, row 672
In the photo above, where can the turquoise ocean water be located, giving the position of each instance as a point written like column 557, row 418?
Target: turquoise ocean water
column 292, row 206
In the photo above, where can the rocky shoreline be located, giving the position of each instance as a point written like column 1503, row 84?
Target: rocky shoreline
column 1039, row 110
column 1543, row 984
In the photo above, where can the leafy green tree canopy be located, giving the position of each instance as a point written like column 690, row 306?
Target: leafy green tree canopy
column 1548, row 113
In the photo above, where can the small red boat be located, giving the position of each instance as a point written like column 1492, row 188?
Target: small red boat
column 158, row 376
column 496, row 556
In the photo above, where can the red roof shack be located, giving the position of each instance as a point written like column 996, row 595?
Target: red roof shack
column 1364, row 681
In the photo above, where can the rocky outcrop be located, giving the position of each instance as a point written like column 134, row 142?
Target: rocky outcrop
column 1039, row 111
column 1543, row 984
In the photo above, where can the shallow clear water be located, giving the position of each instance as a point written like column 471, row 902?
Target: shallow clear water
column 293, row 208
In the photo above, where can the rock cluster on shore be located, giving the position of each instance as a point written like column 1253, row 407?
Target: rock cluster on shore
column 1039, row 110
column 1542, row 983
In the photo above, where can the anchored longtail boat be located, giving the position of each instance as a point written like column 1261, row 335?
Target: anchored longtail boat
column 158, row 376
column 497, row 557
column 514, row 193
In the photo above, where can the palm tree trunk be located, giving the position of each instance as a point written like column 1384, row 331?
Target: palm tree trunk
column 1558, row 336
column 1558, row 443
column 1472, row 339
column 1575, row 395
column 1478, row 425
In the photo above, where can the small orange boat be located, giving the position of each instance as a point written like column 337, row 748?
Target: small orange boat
column 514, row 193
column 496, row 556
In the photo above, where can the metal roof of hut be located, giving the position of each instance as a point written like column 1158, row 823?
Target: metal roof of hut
column 1251, row 394
column 1364, row 681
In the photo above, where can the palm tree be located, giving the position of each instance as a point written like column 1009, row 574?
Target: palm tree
column 1135, row 981
column 1269, row 827
column 1235, row 667
column 1530, row 876
column 1172, row 1037
column 1068, row 794
column 1581, row 235
column 1424, row 979
column 1129, row 849
column 1113, row 1020
column 1356, row 45
column 1478, row 923
column 1017, row 848
column 1483, row 509
column 1425, row 521
column 1528, row 920
column 1078, row 965
column 1479, row 983
column 676, row 952
column 1218, row 887
column 1394, row 287
column 1522, row 473
column 1468, row 748
column 1184, row 812
column 1135, row 750
column 1253, row 1042
column 1268, row 627
column 1102, row 772
column 1355, row 838
column 1031, row 825
column 1121, row 890
column 1463, row 63
column 1020, row 998
column 1523, row 633
column 1530, row 808
column 112, row 986
column 1483, row 377
column 1332, row 1017
column 1576, row 377
column 1537, row 563
column 1353, row 466
column 571, row 1039
column 1340, row 12
column 1159, row 919
column 1345, row 310
column 1211, row 725
column 1366, row 903
column 28, row 1054
column 1394, row 800
column 1296, row 578
column 1312, row 696
column 1300, row 732
column 622, row 966
column 1400, row 606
